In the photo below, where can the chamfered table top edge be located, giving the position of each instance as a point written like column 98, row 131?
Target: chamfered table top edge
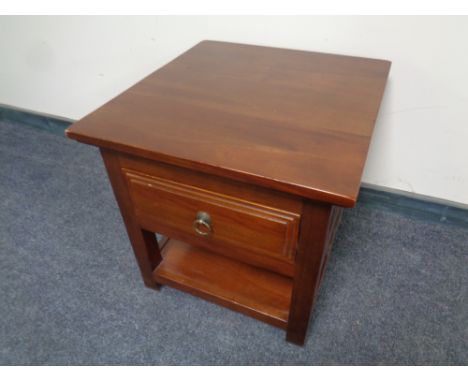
column 234, row 174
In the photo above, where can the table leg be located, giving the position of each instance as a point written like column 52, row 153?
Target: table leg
column 310, row 257
column 144, row 243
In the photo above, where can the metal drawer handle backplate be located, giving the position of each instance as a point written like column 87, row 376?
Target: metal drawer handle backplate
column 202, row 223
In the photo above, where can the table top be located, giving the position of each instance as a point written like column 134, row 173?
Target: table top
column 294, row 121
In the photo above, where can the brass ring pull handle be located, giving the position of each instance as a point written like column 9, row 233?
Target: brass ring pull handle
column 202, row 224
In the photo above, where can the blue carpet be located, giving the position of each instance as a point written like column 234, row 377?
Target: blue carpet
column 395, row 291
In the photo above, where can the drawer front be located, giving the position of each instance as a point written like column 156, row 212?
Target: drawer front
column 225, row 224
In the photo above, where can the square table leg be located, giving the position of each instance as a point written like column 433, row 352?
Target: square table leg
column 310, row 260
column 144, row 243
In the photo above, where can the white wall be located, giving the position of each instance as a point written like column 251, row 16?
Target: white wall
column 68, row 66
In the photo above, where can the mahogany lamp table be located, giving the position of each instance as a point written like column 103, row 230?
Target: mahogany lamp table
column 243, row 158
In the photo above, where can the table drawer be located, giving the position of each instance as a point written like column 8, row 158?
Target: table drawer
column 250, row 231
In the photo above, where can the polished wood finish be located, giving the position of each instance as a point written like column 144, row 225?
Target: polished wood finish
column 271, row 143
column 144, row 243
column 237, row 224
column 264, row 201
column 318, row 230
column 293, row 121
column 253, row 291
column 309, row 263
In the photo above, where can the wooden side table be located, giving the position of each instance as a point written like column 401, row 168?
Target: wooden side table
column 243, row 156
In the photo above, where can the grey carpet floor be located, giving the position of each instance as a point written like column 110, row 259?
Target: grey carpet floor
column 395, row 291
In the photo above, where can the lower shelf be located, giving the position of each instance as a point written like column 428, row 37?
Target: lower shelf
column 238, row 286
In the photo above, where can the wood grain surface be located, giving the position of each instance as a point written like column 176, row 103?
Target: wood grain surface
column 144, row 243
column 258, row 293
column 250, row 223
column 235, row 222
column 294, row 121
